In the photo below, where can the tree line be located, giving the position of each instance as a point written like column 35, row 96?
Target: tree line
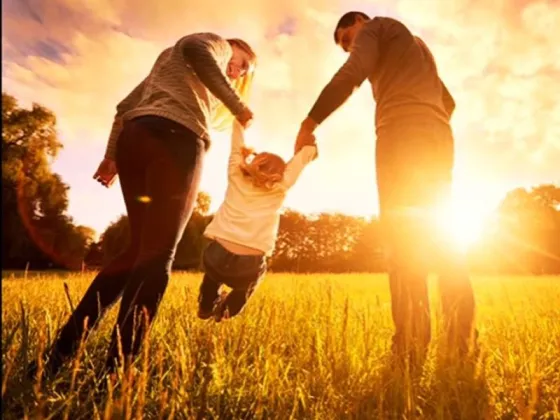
column 36, row 229
column 522, row 237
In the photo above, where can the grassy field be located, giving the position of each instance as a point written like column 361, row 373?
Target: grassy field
column 306, row 347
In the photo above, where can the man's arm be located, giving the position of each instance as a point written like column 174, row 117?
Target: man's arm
column 200, row 52
column 359, row 65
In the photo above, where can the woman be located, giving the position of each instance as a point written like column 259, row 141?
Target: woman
column 157, row 144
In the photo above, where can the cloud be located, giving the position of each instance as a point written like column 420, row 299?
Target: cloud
column 500, row 61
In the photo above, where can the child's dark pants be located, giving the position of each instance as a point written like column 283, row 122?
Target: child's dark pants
column 240, row 272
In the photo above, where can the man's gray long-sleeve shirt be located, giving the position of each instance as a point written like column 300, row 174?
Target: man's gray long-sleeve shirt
column 402, row 72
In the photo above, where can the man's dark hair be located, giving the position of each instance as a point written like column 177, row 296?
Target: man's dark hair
column 347, row 20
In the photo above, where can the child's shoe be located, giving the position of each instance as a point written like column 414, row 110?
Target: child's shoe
column 220, row 311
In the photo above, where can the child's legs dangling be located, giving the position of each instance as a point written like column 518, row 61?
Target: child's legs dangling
column 209, row 290
column 236, row 299
column 242, row 273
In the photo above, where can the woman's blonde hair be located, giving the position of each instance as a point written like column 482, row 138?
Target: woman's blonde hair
column 265, row 169
column 223, row 118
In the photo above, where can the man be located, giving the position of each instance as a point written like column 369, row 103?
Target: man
column 414, row 161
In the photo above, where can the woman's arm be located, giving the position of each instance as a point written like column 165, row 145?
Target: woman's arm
column 200, row 51
column 125, row 105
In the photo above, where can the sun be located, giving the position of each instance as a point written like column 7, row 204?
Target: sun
column 462, row 221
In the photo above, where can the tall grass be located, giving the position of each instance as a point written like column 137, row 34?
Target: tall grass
column 306, row 347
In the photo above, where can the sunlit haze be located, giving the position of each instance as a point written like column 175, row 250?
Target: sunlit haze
column 500, row 60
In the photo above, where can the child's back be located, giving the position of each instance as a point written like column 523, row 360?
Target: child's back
column 250, row 214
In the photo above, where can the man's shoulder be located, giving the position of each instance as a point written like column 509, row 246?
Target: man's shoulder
column 385, row 24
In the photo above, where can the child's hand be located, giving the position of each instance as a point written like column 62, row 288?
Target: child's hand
column 247, row 151
column 305, row 139
column 308, row 140
column 316, row 152
column 305, row 135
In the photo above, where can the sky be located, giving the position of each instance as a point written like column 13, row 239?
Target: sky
column 499, row 60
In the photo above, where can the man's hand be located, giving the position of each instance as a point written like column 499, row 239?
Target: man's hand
column 245, row 118
column 305, row 136
column 106, row 173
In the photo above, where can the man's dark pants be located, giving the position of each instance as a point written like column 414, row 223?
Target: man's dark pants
column 414, row 171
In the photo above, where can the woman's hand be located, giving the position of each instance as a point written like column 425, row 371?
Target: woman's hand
column 245, row 117
column 106, row 173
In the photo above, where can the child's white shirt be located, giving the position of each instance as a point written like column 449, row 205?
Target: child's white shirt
column 249, row 215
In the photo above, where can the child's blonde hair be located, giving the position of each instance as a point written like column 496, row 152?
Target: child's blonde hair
column 265, row 169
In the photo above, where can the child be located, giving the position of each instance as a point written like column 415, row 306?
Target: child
column 244, row 229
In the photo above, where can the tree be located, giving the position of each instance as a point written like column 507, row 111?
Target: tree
column 115, row 239
column 94, row 256
column 525, row 237
column 35, row 226
column 203, row 202
column 191, row 246
column 323, row 242
column 292, row 242
column 368, row 252
column 334, row 240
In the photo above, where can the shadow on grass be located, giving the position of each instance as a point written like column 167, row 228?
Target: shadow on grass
column 457, row 388
column 445, row 387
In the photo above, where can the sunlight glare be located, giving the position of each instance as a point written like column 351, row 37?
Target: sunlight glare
column 463, row 221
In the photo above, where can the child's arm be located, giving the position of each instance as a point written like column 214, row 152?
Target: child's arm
column 297, row 163
column 237, row 146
